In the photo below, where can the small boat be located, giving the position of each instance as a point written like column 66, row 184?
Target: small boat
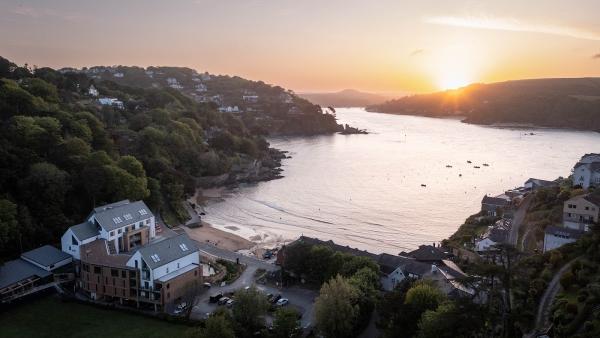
column 448, row 166
column 424, row 185
column 469, row 162
column 459, row 175
column 476, row 167
column 486, row 165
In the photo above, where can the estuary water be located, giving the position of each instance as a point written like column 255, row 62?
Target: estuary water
column 366, row 191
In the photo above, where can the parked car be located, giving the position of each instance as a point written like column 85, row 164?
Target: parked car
column 223, row 300
column 269, row 297
column 215, row 298
column 182, row 306
column 275, row 299
column 229, row 303
column 283, row 302
column 207, row 285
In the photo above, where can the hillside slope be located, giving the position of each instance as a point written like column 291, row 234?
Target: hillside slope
column 344, row 98
column 557, row 103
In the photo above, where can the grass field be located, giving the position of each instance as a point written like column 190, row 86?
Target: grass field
column 50, row 317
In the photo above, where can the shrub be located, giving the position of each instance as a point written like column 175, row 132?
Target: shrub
column 567, row 279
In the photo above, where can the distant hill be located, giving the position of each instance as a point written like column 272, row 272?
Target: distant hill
column 557, row 103
column 344, row 98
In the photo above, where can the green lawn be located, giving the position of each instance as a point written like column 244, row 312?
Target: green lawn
column 49, row 317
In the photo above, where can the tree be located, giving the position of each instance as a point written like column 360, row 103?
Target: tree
column 8, row 222
column 286, row 323
column 216, row 326
column 249, row 310
column 461, row 318
column 335, row 308
column 424, row 296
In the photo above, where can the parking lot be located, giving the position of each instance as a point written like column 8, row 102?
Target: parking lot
column 299, row 298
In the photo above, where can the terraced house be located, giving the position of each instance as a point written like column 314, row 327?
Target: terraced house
column 120, row 258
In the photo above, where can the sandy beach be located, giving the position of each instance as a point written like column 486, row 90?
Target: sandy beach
column 220, row 238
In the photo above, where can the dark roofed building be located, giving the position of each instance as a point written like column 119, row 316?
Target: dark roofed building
column 428, row 253
column 491, row 205
column 335, row 247
column 47, row 257
column 536, row 183
column 31, row 272
column 167, row 250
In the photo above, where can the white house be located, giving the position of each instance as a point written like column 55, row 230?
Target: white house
column 201, row 87
column 229, row 109
column 587, row 171
column 120, row 224
column 555, row 237
column 165, row 260
column 397, row 268
column 111, row 101
column 581, row 211
column 119, row 75
column 92, row 91
column 250, row 98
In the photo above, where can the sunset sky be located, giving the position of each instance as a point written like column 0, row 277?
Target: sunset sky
column 386, row 46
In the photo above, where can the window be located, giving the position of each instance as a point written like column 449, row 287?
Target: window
column 155, row 258
column 119, row 231
column 168, row 295
column 123, row 274
column 97, row 270
column 587, row 208
column 167, row 269
column 74, row 240
column 114, row 272
column 128, row 217
column 177, row 265
column 117, row 220
column 195, row 272
column 143, row 212
column 112, row 233
column 183, row 247
column 168, row 286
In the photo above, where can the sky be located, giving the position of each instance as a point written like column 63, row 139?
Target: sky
column 384, row 46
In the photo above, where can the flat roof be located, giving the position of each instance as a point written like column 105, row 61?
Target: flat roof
column 46, row 255
column 17, row 270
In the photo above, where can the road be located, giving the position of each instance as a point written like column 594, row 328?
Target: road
column 216, row 252
column 518, row 219
column 543, row 312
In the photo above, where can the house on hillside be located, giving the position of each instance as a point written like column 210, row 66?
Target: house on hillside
column 586, row 172
column 33, row 271
column 111, row 101
column 494, row 206
column 200, row 87
column 120, row 257
column 250, row 98
column 533, row 184
column 555, row 237
column 496, row 234
column 92, row 91
column 581, row 211
column 429, row 254
column 394, row 269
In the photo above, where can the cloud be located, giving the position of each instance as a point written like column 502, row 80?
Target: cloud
column 37, row 13
column 596, row 56
column 417, row 52
column 512, row 24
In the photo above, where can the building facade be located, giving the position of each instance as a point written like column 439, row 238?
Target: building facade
column 122, row 259
column 586, row 172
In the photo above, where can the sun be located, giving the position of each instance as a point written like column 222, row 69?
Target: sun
column 452, row 81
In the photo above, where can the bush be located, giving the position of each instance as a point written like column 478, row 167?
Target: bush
column 567, row 279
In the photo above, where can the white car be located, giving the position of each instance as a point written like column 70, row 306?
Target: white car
column 283, row 302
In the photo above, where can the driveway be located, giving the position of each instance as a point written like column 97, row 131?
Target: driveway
column 216, row 252
column 518, row 219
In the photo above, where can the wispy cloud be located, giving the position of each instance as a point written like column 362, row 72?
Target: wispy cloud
column 512, row 24
column 39, row 12
column 417, row 52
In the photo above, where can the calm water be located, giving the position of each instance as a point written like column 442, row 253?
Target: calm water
column 365, row 190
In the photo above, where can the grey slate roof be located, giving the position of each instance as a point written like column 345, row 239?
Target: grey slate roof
column 14, row 271
column 127, row 212
column 84, row 230
column 541, row 183
column 593, row 198
column 46, row 255
column 494, row 201
column 427, row 253
column 564, row 232
column 388, row 263
column 167, row 250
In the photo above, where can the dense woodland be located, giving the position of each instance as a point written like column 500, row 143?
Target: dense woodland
column 61, row 153
column 557, row 103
